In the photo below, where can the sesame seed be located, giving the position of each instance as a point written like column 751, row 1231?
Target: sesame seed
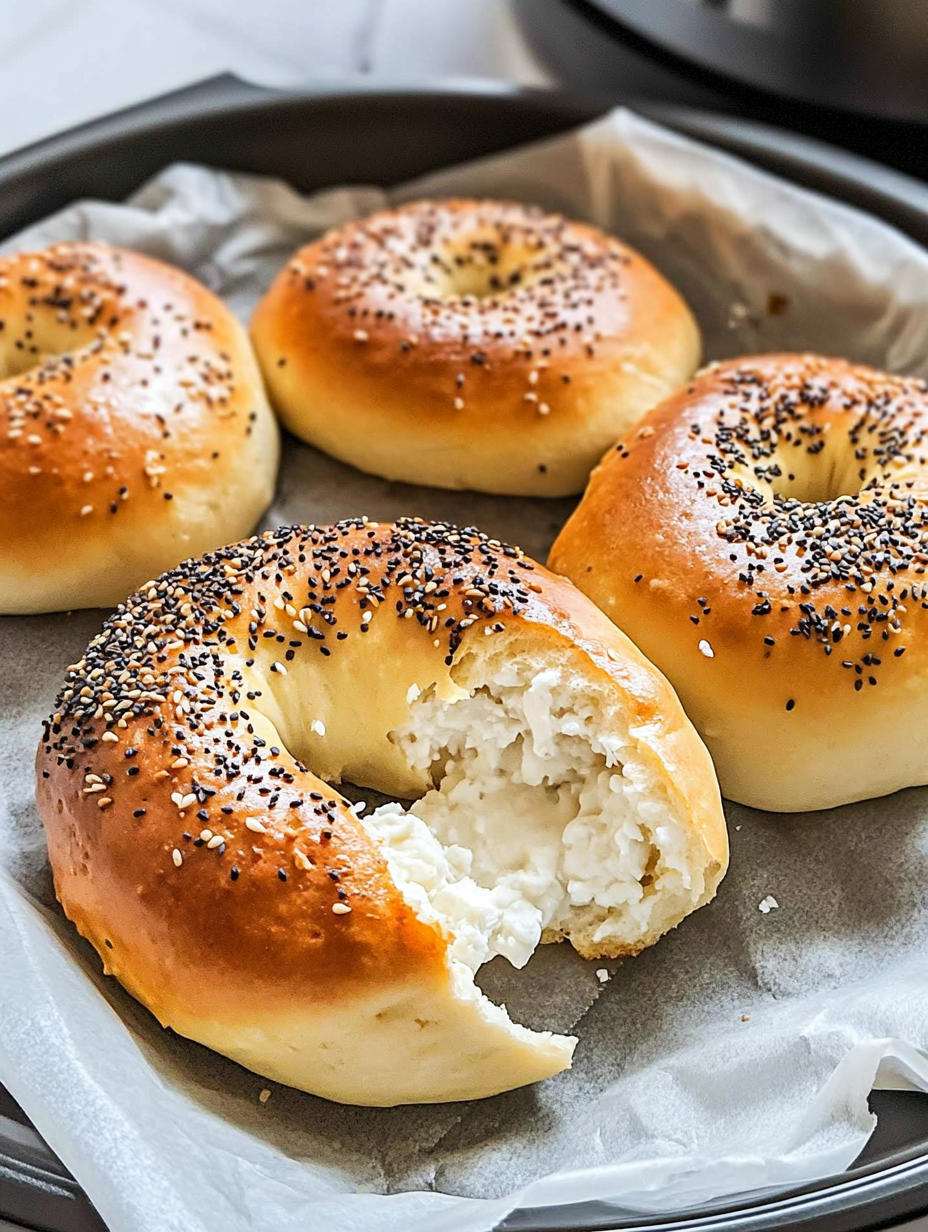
column 809, row 557
column 340, row 909
column 706, row 649
column 178, row 857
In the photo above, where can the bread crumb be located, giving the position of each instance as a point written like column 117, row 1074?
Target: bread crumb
column 767, row 905
column 602, row 975
column 264, row 1096
column 738, row 314
column 745, row 1017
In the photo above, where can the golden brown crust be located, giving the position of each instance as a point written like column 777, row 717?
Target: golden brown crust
column 192, row 940
column 763, row 537
column 134, row 429
column 179, row 733
column 471, row 344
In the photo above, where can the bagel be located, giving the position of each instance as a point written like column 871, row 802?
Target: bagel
column 196, row 842
column 134, row 428
column 471, row 344
column 762, row 537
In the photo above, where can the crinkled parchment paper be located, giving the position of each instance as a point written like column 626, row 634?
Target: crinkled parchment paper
column 736, row 1053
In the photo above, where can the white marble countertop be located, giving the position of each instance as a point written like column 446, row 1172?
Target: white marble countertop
column 65, row 61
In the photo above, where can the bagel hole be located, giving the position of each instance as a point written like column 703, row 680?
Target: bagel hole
column 544, row 820
column 481, row 267
column 819, row 478
column 18, row 362
column 47, row 346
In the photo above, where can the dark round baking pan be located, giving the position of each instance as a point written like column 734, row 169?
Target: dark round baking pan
column 378, row 135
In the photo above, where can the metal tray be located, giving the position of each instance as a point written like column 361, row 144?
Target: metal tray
column 381, row 135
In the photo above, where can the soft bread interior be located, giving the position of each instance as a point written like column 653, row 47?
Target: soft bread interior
column 544, row 821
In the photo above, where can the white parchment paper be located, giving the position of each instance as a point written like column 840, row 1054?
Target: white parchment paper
column 739, row 1052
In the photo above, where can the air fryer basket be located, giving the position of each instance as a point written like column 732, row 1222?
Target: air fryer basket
column 383, row 135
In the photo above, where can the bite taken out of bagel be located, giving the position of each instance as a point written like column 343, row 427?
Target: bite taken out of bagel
column 187, row 785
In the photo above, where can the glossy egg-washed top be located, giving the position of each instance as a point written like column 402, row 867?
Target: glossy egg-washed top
column 763, row 537
column 189, row 838
column 128, row 398
column 503, row 346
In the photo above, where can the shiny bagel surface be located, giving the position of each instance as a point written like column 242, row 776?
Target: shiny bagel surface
column 471, row 344
column 762, row 536
column 134, row 428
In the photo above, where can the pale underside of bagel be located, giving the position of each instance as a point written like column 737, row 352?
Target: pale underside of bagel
column 547, row 813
